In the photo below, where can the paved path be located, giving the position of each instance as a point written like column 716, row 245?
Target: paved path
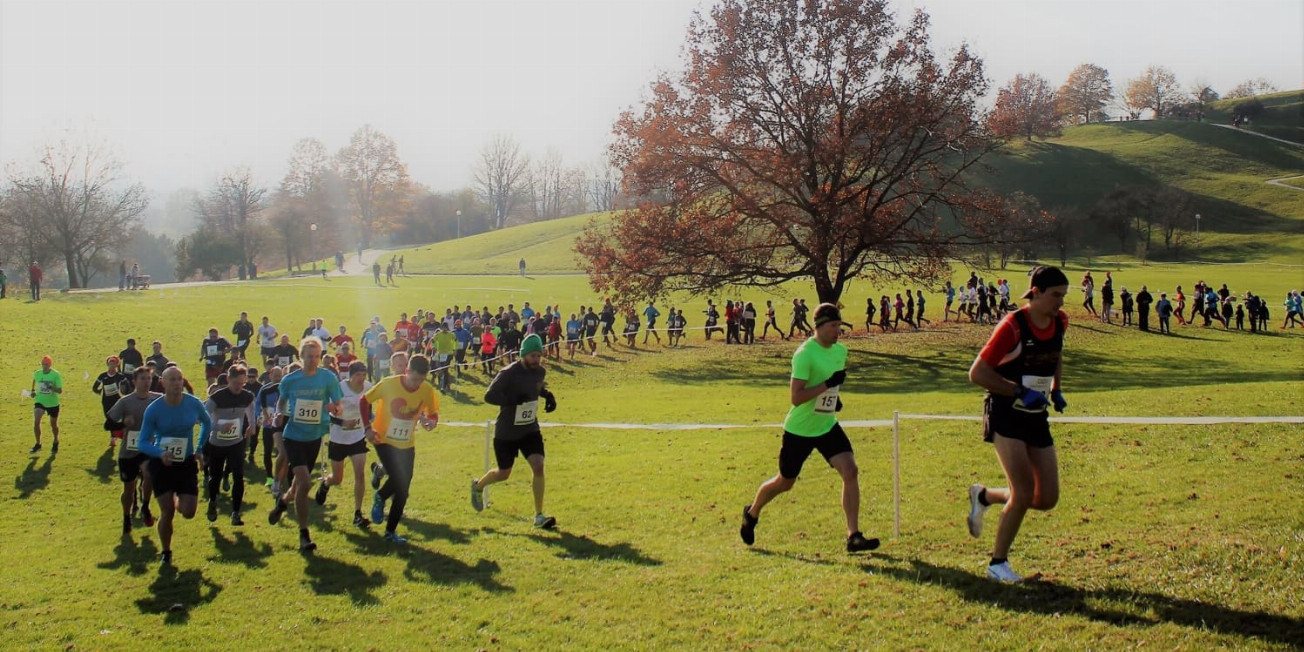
column 887, row 423
column 1255, row 133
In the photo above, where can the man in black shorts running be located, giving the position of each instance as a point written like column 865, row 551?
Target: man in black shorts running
column 130, row 412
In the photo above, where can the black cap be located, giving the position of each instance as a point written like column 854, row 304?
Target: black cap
column 1044, row 278
column 825, row 313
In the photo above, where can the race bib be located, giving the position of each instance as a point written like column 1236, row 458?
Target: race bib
column 382, row 365
column 527, row 413
column 131, row 441
column 127, row 367
column 45, row 387
column 212, row 349
column 110, row 389
column 475, row 340
column 827, row 402
column 174, row 448
column 283, row 361
column 269, row 418
column 228, row 429
column 307, row 412
column 399, row 431
column 1041, row 384
column 240, row 344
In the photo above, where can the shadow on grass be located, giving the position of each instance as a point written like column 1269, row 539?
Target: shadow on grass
column 240, row 550
column 432, row 531
column 429, row 566
column 329, row 576
column 175, row 593
column 579, row 547
column 34, row 478
column 1135, row 607
column 106, row 467
column 806, row 559
column 132, row 557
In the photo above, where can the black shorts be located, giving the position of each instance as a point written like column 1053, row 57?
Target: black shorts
column 129, row 467
column 181, row 478
column 505, row 451
column 999, row 418
column 302, row 453
column 796, row 449
column 340, row 452
column 52, row 411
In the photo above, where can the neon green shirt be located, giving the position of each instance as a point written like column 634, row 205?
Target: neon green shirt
column 445, row 343
column 814, row 364
column 46, row 383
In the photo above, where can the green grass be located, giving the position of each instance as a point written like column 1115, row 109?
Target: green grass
column 547, row 247
column 1165, row 536
column 1283, row 115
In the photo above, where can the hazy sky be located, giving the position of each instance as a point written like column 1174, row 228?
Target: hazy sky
column 186, row 89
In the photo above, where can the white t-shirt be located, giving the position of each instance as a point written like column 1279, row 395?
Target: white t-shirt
column 267, row 336
column 349, row 413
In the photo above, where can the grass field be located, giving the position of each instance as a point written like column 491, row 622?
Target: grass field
column 1166, row 536
column 1283, row 114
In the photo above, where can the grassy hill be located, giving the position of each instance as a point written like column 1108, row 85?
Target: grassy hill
column 547, row 247
column 1283, row 114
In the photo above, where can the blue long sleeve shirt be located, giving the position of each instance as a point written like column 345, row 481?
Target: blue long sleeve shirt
column 165, row 428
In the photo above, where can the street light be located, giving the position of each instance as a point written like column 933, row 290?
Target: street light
column 1197, row 230
column 312, row 228
column 459, row 224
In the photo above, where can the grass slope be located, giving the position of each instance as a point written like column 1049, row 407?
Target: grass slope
column 1165, row 536
column 547, row 247
column 1283, row 114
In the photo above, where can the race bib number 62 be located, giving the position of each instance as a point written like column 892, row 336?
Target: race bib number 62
column 527, row 413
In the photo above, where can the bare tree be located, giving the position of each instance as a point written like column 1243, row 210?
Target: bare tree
column 1250, row 88
column 500, row 176
column 85, row 205
column 376, row 179
column 1156, row 89
column 1202, row 95
column 232, row 206
column 544, row 185
column 22, row 230
column 603, row 184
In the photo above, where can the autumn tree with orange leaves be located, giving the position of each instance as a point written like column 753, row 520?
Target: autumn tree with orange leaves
column 814, row 140
column 1027, row 106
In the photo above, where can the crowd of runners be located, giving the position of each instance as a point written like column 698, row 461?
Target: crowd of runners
column 377, row 392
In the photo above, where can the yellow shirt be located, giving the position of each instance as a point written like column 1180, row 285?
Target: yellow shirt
column 395, row 410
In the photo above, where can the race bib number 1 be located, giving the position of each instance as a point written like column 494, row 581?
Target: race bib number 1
column 399, row 431
column 132, row 441
column 174, row 448
column 307, row 412
column 827, row 402
column 527, row 413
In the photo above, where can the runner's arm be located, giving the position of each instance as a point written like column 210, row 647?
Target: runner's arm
column 205, row 429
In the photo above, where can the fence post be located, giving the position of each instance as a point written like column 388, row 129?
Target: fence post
column 896, row 473
column 488, row 436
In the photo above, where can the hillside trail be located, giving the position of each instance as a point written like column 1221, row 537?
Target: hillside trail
column 1278, row 181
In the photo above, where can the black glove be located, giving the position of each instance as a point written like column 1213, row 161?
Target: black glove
column 838, row 377
column 839, row 407
column 550, row 401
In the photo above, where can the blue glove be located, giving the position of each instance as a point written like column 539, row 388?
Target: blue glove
column 1031, row 398
column 1057, row 398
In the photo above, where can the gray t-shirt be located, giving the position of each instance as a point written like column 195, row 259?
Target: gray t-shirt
column 513, row 390
column 133, row 406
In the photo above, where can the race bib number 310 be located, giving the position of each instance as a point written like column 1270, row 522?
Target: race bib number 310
column 307, row 412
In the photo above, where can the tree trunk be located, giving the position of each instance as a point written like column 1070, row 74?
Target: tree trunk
column 70, row 261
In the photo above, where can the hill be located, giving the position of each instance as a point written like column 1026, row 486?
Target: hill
column 1282, row 117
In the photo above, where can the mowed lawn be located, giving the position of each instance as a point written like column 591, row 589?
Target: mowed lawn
column 1176, row 536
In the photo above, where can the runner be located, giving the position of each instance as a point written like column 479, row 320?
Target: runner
column 308, row 397
column 130, row 411
column 445, row 346
column 347, row 442
column 254, row 385
column 488, row 344
column 390, row 411
column 156, row 358
column 591, row 323
column 341, row 339
column 131, row 359
column 651, row 313
column 1088, row 291
column 47, row 385
column 919, row 309
column 573, row 330
column 265, row 415
column 284, row 353
column 949, row 292
column 110, row 386
column 231, row 409
column 167, row 432
column 383, row 352
column 516, row 391
column 212, row 351
column 508, row 342
column 818, row 371
column 243, row 330
column 1020, row 368
column 770, row 321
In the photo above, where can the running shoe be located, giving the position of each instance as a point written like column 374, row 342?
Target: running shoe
column 377, row 508
column 976, row 511
column 393, row 537
column 212, row 511
column 748, row 529
column 545, row 522
column 1003, row 573
column 269, row 483
column 306, row 544
column 377, row 474
column 35, row 449
column 126, row 525
column 147, row 516
column 277, row 512
column 166, row 557
column 477, row 497
column 360, row 521
column 321, row 492
column 235, row 518
column 858, row 543
column 54, row 448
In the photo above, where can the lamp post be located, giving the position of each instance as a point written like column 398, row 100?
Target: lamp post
column 312, row 229
column 1197, row 231
column 459, row 224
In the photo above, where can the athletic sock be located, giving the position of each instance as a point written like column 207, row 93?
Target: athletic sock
column 997, row 561
column 982, row 498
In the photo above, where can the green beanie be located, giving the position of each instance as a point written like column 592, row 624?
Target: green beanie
column 531, row 344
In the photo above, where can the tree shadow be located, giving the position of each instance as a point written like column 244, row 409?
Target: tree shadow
column 428, row 566
column 1136, row 607
column 174, row 593
column 431, row 531
column 34, row 478
column 105, row 467
column 329, row 576
column 240, row 550
column 134, row 558
column 580, row 547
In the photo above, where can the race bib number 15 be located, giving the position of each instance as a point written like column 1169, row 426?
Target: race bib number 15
column 827, row 402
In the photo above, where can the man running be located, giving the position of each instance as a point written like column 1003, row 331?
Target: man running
column 516, row 391
column 131, row 359
column 284, row 353
column 390, row 412
column 818, row 371
column 47, row 385
column 110, row 386
column 232, row 412
column 212, row 351
column 243, row 329
column 167, row 436
column 651, row 313
column 348, row 442
column 130, row 411
column 266, row 415
column 307, row 399
column 156, row 358
column 266, row 339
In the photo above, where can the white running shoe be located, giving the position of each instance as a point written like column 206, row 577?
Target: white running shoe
column 976, row 511
column 1003, row 573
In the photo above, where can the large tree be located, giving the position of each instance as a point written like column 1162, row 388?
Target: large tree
column 232, row 206
column 1026, row 107
column 803, row 140
column 1085, row 94
column 376, row 179
column 86, row 208
column 1156, row 89
column 501, row 176
column 311, row 192
column 1250, row 88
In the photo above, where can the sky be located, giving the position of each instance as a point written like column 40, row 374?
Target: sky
column 185, row 90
